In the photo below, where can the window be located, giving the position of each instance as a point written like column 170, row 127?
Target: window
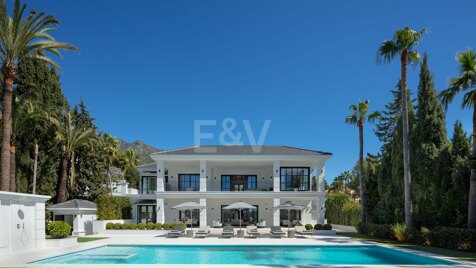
column 294, row 178
column 251, row 182
column 225, row 183
column 148, row 184
column 189, row 182
column 146, row 213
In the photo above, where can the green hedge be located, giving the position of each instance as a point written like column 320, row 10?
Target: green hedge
column 143, row 226
column 58, row 229
column 443, row 237
column 340, row 209
column 113, row 207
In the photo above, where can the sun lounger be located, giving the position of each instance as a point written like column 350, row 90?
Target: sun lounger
column 301, row 230
column 252, row 231
column 276, row 231
column 177, row 231
column 203, row 231
column 228, row 231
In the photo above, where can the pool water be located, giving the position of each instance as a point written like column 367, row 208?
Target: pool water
column 277, row 255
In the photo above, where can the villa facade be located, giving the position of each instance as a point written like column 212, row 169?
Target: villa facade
column 216, row 176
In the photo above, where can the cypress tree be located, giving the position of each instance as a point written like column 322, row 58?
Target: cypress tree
column 429, row 140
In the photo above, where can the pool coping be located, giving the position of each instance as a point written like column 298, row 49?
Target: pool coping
column 12, row 261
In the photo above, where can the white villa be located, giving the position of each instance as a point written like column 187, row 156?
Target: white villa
column 216, row 176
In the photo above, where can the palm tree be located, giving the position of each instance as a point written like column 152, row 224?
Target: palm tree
column 358, row 118
column 466, row 81
column 129, row 159
column 111, row 147
column 20, row 37
column 402, row 44
column 25, row 117
column 72, row 138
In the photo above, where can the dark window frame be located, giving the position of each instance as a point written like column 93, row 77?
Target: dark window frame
column 246, row 184
column 191, row 183
column 291, row 188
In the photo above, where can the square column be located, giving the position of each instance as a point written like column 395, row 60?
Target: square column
column 203, row 176
column 318, row 212
column 276, row 212
column 320, row 173
column 160, row 211
column 160, row 176
column 203, row 213
column 276, row 176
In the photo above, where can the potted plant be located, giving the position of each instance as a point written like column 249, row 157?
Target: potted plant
column 296, row 183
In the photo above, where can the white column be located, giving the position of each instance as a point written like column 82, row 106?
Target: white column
column 160, row 210
column 78, row 225
column 276, row 175
column 321, row 183
column 319, row 168
column 203, row 213
column 276, row 212
column 39, row 225
column 203, row 176
column 160, row 176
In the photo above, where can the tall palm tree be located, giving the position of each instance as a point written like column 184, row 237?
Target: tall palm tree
column 21, row 36
column 466, row 81
column 111, row 147
column 25, row 117
column 358, row 118
column 129, row 159
column 72, row 138
column 402, row 44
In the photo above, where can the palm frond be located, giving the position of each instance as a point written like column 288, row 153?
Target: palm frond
column 387, row 51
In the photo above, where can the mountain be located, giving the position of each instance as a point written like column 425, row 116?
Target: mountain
column 141, row 148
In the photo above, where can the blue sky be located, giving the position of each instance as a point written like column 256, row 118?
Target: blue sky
column 148, row 69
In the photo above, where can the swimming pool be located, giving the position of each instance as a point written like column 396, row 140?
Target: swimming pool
column 271, row 255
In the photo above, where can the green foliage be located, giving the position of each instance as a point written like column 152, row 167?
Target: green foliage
column 109, row 225
column 117, row 226
column 308, row 226
column 400, row 231
column 454, row 238
column 113, row 207
column 141, row 226
column 327, row 227
column 158, row 226
column 376, row 230
column 318, row 227
column 150, row 226
column 166, row 226
column 132, row 226
column 59, row 229
column 341, row 210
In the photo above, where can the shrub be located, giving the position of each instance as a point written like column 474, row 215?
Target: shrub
column 158, row 226
column 113, row 207
column 400, row 231
column 308, row 226
column 298, row 224
column 425, row 236
column 318, row 227
column 141, row 226
column 327, row 227
column 454, row 238
column 132, row 226
column 117, row 225
column 166, row 226
column 109, row 225
column 376, row 230
column 150, row 226
column 340, row 209
column 125, row 226
column 59, row 229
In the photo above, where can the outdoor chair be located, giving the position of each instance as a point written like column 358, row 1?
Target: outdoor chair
column 252, row 231
column 277, row 232
column 261, row 224
column 217, row 224
column 177, row 231
column 301, row 230
column 228, row 232
column 203, row 231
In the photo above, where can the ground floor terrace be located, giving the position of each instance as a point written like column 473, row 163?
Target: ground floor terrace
column 159, row 208
column 160, row 238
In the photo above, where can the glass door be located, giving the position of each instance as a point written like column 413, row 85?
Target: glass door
column 146, row 214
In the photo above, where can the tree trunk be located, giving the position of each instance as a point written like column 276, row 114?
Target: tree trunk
column 6, row 131
column 406, row 144
column 472, row 181
column 361, row 173
column 35, row 166
column 63, row 180
column 13, row 167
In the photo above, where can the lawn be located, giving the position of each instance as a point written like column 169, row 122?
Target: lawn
column 89, row 239
column 466, row 256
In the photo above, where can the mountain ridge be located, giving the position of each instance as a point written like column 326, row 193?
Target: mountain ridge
column 142, row 148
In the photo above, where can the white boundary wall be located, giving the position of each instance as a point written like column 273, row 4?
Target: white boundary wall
column 22, row 218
